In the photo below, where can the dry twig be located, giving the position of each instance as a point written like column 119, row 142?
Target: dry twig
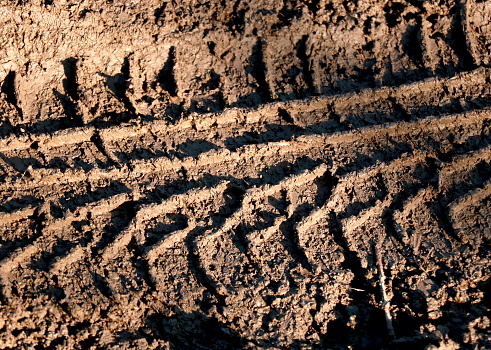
column 385, row 297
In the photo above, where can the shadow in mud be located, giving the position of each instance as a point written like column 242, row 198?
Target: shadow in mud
column 186, row 331
column 192, row 148
column 121, row 218
column 368, row 333
column 278, row 132
column 72, row 200
column 173, row 222
column 20, row 203
column 269, row 175
column 22, row 164
column 263, row 95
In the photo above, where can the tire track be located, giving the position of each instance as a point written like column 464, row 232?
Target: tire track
column 42, row 230
column 245, row 228
column 248, row 249
column 9, row 218
column 384, row 209
column 365, row 134
column 299, row 147
column 269, row 114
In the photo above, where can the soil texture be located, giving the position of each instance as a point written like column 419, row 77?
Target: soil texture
column 245, row 174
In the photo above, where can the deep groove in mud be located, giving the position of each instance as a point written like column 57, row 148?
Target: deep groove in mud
column 166, row 78
column 70, row 84
column 99, row 144
column 123, row 85
column 8, row 88
column 257, row 68
column 352, row 261
column 291, row 242
column 457, row 38
column 121, row 217
column 301, row 49
column 141, row 265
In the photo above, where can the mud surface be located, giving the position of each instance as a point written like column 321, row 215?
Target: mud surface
column 245, row 174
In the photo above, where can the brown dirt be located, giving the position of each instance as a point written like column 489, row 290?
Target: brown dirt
column 245, row 174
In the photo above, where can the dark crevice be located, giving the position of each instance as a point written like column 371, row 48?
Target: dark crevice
column 381, row 187
column 99, row 144
column 393, row 12
column 319, row 300
column 101, row 284
column 78, row 327
column 400, row 110
column 236, row 23
column 456, row 39
column 338, row 331
column 289, row 12
column 325, row 187
column 419, row 4
column 367, row 26
column 8, row 164
column 118, row 85
column 38, row 219
column 192, row 331
column 211, row 47
column 140, row 263
column 212, row 83
column 284, row 115
column 351, row 262
column 121, row 217
column 71, row 110
column 312, row 5
column 477, row 176
column 70, row 84
column 89, row 342
column 301, row 51
column 257, row 69
column 412, row 43
column 166, row 78
column 292, row 242
column 442, row 217
column 123, row 86
column 159, row 12
column 8, row 88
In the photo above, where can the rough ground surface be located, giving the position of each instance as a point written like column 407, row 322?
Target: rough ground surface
column 245, row 174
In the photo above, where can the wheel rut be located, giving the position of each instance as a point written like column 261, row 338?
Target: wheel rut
column 258, row 195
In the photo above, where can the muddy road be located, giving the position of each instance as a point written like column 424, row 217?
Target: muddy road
column 245, row 174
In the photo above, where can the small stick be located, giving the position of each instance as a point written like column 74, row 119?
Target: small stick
column 385, row 297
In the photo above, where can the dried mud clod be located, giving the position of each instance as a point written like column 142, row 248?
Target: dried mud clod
column 292, row 174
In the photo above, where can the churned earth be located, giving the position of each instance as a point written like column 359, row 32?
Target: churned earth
column 245, row 174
